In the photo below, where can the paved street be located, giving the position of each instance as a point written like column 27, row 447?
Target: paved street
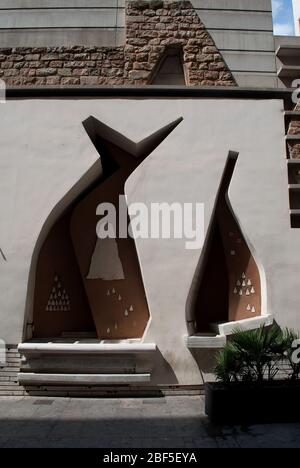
column 132, row 423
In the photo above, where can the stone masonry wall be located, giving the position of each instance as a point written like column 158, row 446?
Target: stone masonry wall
column 151, row 27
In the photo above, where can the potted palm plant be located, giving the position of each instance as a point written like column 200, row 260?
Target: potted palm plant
column 257, row 378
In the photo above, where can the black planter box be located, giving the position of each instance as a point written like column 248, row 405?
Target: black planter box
column 277, row 401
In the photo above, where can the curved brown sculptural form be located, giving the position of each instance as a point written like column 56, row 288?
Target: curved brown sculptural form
column 60, row 303
column 230, row 287
column 84, row 282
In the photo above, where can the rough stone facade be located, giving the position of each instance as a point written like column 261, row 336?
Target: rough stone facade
column 151, row 27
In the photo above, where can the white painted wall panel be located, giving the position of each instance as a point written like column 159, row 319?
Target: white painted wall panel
column 60, row 18
column 52, row 152
column 239, row 20
column 74, row 22
column 243, row 40
column 256, row 80
column 62, row 37
column 258, row 5
column 239, row 61
column 9, row 4
column 243, row 31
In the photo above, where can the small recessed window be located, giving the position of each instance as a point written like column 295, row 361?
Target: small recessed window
column 169, row 70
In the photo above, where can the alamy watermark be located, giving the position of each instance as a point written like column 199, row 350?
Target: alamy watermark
column 296, row 92
column 154, row 221
column 296, row 353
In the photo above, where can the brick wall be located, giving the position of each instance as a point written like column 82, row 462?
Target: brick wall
column 151, row 27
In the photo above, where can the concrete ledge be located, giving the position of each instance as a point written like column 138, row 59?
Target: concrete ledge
column 292, row 115
column 76, row 379
column 291, row 50
column 90, row 348
column 292, row 137
column 228, row 328
column 289, row 71
column 202, row 341
column 234, row 92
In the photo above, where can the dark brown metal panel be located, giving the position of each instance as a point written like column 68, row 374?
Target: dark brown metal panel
column 60, row 303
column 119, row 307
column 230, row 287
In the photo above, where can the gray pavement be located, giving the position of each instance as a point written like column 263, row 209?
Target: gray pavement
column 129, row 423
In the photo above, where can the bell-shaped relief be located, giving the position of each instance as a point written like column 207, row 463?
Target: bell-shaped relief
column 229, row 285
column 85, row 283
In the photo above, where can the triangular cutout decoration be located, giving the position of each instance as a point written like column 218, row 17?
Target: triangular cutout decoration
column 58, row 298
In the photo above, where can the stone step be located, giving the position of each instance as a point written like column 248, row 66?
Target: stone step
column 109, row 391
column 30, row 378
column 88, row 364
column 10, row 367
column 13, row 387
column 8, row 376
column 9, row 393
column 207, row 341
column 81, row 365
column 13, row 360
column 3, row 383
column 129, row 348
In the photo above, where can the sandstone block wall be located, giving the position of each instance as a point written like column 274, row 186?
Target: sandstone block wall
column 151, row 27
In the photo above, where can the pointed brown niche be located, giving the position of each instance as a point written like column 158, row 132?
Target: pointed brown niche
column 60, row 302
column 229, row 282
column 85, row 286
column 110, row 268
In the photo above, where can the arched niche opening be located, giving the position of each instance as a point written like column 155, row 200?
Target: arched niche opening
column 61, row 307
column 227, row 286
column 170, row 68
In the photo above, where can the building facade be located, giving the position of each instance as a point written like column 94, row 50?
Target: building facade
column 148, row 102
column 45, row 33
column 296, row 11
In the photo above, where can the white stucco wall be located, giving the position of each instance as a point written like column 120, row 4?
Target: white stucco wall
column 296, row 11
column 45, row 150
